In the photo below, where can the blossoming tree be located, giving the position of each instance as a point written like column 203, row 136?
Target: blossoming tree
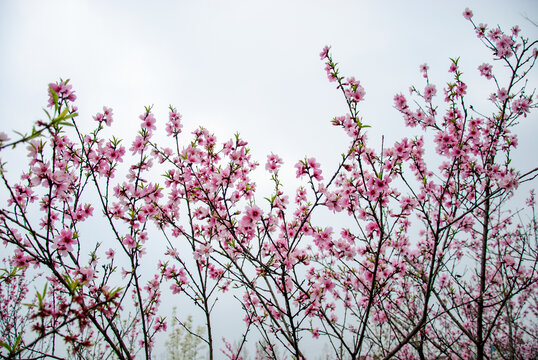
column 431, row 263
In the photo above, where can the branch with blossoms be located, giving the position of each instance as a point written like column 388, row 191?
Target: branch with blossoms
column 431, row 262
column 60, row 175
column 212, row 183
column 196, row 176
column 13, row 322
column 479, row 181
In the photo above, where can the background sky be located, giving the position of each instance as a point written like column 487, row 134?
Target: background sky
column 246, row 66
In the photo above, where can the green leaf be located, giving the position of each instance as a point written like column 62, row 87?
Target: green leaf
column 62, row 115
column 34, row 134
column 46, row 112
column 115, row 291
column 71, row 284
column 60, row 119
column 17, row 341
column 6, row 346
column 40, row 297
column 70, row 116
column 54, row 98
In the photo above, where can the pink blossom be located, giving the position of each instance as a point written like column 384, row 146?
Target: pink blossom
column 515, row 30
column 531, row 199
column 509, row 181
column 64, row 242
column 502, row 94
column 468, row 14
column 315, row 167
column 495, row 34
column 148, row 121
column 87, row 274
column 203, row 252
column 323, row 238
column 400, row 102
column 509, row 261
column 429, row 92
column 504, row 46
column 138, row 145
column 173, row 126
column 63, row 90
column 372, row 228
column 98, row 117
column 521, row 106
column 273, row 163
column 160, row 325
column 107, row 114
column 301, row 169
column 176, row 289
column 424, row 70
column 328, row 285
column 331, row 74
column 324, row 54
column 300, row 195
column 3, row 137
column 481, row 30
column 354, row 91
column 443, row 280
column 20, row 259
column 129, row 242
column 485, row 70
column 254, row 212
column 461, row 89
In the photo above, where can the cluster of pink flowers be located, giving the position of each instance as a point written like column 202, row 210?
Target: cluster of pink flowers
column 63, row 91
column 309, row 167
column 64, row 242
column 429, row 92
column 105, row 116
column 354, row 91
column 521, row 106
column 173, row 126
column 485, row 70
column 273, row 163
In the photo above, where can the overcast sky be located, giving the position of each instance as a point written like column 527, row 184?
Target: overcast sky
column 245, row 66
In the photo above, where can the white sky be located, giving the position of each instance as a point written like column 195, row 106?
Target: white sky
column 246, row 66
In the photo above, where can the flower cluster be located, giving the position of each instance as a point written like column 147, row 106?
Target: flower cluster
column 63, row 91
